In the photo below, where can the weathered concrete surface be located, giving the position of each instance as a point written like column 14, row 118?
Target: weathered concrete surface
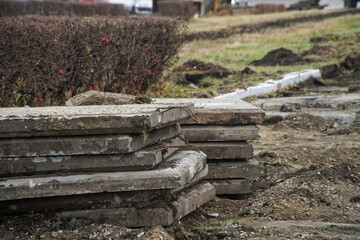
column 143, row 159
column 345, row 118
column 77, row 202
column 326, row 101
column 149, row 214
column 61, row 147
column 226, row 150
column 220, row 111
column 204, row 133
column 176, row 171
column 89, row 120
column 160, row 214
column 231, row 186
column 192, row 198
column 201, row 175
column 247, row 169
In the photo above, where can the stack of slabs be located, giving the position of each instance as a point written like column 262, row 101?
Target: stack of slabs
column 111, row 163
column 222, row 131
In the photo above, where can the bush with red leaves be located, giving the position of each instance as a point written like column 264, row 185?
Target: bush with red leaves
column 47, row 60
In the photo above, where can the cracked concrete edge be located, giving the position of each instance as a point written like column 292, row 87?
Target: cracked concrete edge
column 176, row 171
column 144, row 159
column 90, row 120
column 60, row 147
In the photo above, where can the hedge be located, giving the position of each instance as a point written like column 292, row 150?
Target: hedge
column 53, row 8
column 46, row 60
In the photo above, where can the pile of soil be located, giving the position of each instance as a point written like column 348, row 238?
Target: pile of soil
column 196, row 70
column 304, row 122
column 316, row 50
column 280, row 56
column 196, row 65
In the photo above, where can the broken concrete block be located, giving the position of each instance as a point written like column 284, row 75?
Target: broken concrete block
column 191, row 199
column 89, row 120
column 176, row 171
column 220, row 111
column 204, row 133
column 143, row 159
column 154, row 215
column 61, row 147
column 247, row 169
column 231, row 186
column 226, row 150
column 201, row 175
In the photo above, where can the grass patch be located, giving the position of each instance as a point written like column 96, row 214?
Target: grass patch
column 238, row 51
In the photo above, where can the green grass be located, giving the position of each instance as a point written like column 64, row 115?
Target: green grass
column 238, row 51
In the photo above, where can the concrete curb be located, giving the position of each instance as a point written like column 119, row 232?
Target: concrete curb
column 272, row 85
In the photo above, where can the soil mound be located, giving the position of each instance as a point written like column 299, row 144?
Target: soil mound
column 305, row 122
column 280, row 56
column 196, row 65
column 196, row 70
column 104, row 98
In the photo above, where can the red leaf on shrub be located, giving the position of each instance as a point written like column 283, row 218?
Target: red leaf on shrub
column 107, row 40
column 134, row 79
column 61, row 71
column 162, row 66
column 58, row 75
column 41, row 99
column 107, row 48
column 36, row 105
column 103, row 38
column 122, row 53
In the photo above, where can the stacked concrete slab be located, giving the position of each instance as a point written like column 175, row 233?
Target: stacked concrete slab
column 222, row 130
column 112, row 163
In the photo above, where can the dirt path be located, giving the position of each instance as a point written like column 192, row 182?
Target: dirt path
column 261, row 27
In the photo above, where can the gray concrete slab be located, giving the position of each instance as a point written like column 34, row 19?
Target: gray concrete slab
column 191, row 199
column 231, row 186
column 144, row 159
column 83, row 145
column 151, row 213
column 149, row 216
column 89, row 120
column 326, row 101
column 201, row 175
column 220, row 111
column 247, row 169
column 216, row 133
column 226, row 150
column 77, row 202
column 176, row 171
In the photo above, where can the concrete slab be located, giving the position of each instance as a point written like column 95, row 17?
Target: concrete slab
column 149, row 216
column 144, row 159
column 231, row 186
column 83, row 145
column 326, row 101
column 201, row 175
column 272, row 85
column 343, row 117
column 192, row 198
column 247, row 169
column 89, row 120
column 225, row 150
column 78, row 202
column 215, row 133
column 219, row 111
column 176, row 171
